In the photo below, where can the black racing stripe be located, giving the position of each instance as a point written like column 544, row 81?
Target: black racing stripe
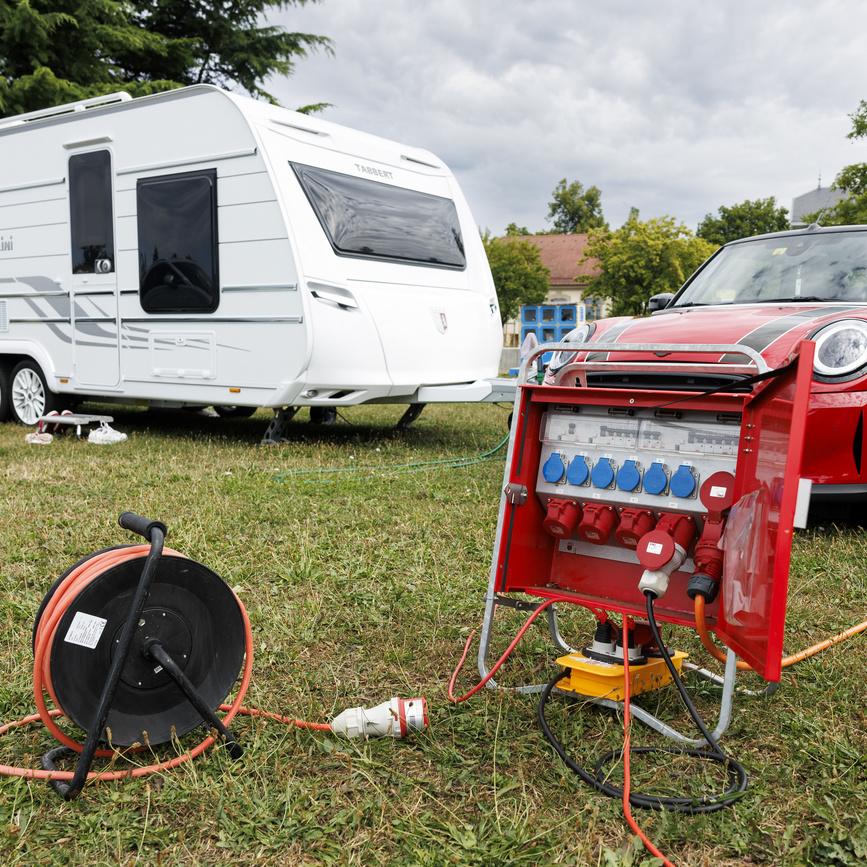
column 610, row 336
column 763, row 336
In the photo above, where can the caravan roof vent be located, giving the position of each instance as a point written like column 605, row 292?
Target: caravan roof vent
column 67, row 108
column 297, row 126
column 420, row 162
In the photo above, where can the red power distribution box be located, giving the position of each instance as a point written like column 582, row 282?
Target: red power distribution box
column 592, row 471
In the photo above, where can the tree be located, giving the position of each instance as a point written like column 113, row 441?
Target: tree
column 642, row 258
column 574, row 209
column 852, row 180
column 742, row 220
column 519, row 275
column 851, row 211
column 54, row 51
column 514, row 229
column 223, row 42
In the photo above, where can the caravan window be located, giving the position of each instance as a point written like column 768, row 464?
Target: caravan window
column 91, row 220
column 177, row 243
column 370, row 219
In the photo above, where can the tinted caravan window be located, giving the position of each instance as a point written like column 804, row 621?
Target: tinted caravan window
column 370, row 219
column 177, row 242
column 90, row 213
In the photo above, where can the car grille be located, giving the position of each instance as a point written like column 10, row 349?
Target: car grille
column 666, row 381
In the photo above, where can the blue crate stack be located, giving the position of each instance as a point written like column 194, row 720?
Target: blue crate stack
column 567, row 314
column 549, row 323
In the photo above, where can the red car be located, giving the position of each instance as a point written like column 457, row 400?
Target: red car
column 767, row 293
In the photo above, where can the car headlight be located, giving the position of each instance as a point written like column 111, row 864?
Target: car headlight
column 581, row 334
column 841, row 348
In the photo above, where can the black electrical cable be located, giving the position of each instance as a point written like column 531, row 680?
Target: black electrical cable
column 729, row 386
column 736, row 773
column 649, row 598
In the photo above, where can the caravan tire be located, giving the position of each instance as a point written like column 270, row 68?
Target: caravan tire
column 29, row 395
column 4, row 391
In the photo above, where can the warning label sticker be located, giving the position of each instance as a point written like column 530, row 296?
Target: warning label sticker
column 85, row 630
column 654, row 548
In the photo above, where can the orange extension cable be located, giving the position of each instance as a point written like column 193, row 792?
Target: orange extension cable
column 707, row 641
column 709, row 645
column 627, row 719
column 57, row 606
column 457, row 699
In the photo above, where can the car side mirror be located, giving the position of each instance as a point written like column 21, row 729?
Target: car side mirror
column 657, row 302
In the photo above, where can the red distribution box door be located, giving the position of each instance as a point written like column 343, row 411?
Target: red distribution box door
column 751, row 618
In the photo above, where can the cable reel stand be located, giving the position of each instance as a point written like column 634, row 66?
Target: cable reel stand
column 137, row 645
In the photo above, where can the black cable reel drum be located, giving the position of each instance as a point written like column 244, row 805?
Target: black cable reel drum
column 138, row 648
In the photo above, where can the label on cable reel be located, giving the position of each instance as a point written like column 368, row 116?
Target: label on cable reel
column 85, row 630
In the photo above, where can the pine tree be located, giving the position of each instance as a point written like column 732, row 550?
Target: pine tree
column 55, row 51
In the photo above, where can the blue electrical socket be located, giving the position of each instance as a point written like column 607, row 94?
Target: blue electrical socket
column 628, row 476
column 603, row 473
column 656, row 478
column 578, row 471
column 683, row 481
column 553, row 469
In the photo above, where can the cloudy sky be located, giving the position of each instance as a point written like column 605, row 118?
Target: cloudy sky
column 675, row 106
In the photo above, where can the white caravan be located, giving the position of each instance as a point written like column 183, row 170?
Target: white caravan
column 198, row 247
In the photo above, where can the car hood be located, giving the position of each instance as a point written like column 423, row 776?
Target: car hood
column 771, row 329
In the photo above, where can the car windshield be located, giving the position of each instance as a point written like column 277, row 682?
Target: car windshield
column 819, row 266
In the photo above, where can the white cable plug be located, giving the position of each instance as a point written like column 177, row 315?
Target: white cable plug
column 394, row 718
column 656, row 580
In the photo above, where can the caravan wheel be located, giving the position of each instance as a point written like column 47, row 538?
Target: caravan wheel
column 29, row 394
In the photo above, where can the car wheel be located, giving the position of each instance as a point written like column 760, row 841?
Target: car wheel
column 4, row 392
column 235, row 411
column 29, row 396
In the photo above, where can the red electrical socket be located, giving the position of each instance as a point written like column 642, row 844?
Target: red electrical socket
column 562, row 517
column 717, row 495
column 597, row 523
column 634, row 523
column 681, row 528
column 717, row 492
column 708, row 557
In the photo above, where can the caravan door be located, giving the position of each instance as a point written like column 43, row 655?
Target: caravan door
column 93, row 286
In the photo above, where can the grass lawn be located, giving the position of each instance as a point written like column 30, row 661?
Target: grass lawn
column 361, row 586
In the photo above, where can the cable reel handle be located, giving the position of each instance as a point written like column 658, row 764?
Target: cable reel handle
column 140, row 525
column 154, row 532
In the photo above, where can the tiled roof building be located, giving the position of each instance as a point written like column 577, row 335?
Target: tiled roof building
column 563, row 256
